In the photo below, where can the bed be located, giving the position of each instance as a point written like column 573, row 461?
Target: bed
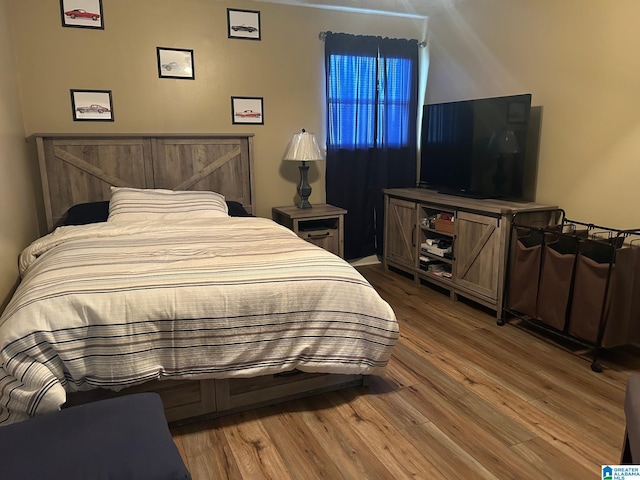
column 215, row 312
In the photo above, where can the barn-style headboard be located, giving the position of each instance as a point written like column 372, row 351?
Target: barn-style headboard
column 80, row 168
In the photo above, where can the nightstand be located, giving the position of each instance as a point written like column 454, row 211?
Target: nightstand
column 322, row 225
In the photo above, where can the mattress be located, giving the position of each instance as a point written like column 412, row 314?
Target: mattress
column 111, row 305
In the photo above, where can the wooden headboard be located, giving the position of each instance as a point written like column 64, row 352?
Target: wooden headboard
column 81, row 168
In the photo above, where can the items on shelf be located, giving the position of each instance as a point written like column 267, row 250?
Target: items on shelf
column 440, row 222
column 435, row 267
column 440, row 247
column 580, row 280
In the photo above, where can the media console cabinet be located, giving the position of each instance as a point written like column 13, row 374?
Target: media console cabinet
column 418, row 231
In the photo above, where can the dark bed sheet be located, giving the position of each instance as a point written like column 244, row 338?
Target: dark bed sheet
column 94, row 212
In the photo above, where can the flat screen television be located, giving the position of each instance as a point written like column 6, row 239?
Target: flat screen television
column 477, row 148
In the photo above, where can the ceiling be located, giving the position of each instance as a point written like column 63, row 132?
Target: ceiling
column 410, row 8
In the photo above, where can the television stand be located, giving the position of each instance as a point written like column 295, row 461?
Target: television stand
column 417, row 219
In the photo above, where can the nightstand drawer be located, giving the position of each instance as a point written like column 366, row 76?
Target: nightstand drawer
column 327, row 238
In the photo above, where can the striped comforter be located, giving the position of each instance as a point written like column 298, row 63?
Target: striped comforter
column 112, row 305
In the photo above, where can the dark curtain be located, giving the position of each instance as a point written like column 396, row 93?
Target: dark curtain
column 396, row 152
column 371, row 135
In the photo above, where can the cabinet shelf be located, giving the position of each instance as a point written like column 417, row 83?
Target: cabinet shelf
column 443, row 278
column 433, row 230
column 437, row 257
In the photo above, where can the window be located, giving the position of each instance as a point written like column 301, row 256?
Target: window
column 368, row 101
column 372, row 112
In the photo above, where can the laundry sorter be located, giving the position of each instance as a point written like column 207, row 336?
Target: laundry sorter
column 579, row 280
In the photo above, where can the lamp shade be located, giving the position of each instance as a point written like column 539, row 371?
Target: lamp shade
column 303, row 147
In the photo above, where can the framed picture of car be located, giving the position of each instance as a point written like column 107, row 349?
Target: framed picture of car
column 247, row 110
column 92, row 105
column 175, row 63
column 82, row 13
column 243, row 24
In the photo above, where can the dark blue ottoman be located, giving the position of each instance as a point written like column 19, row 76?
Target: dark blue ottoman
column 631, row 444
column 120, row 438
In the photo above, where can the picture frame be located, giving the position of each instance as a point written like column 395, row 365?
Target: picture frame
column 243, row 24
column 92, row 105
column 516, row 112
column 247, row 110
column 175, row 63
column 82, row 14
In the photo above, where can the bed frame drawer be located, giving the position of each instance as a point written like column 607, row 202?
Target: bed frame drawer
column 182, row 399
column 185, row 399
column 236, row 393
column 190, row 400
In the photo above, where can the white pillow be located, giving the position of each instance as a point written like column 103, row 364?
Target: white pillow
column 136, row 204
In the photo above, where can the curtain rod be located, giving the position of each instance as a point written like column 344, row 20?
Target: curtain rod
column 323, row 35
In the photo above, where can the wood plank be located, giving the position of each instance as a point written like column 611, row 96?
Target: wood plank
column 452, row 460
column 206, row 452
column 306, row 458
column 400, row 458
column 254, row 451
column 346, row 449
column 550, row 462
column 470, row 434
column 86, row 167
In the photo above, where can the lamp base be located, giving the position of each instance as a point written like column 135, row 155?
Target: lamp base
column 304, row 189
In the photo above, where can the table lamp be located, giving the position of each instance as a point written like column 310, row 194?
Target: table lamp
column 304, row 148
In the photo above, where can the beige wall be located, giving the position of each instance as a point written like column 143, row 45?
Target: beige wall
column 579, row 60
column 285, row 67
column 18, row 224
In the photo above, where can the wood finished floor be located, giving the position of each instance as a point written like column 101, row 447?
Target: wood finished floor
column 462, row 399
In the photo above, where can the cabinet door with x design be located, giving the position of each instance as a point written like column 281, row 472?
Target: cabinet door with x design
column 479, row 243
column 400, row 233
